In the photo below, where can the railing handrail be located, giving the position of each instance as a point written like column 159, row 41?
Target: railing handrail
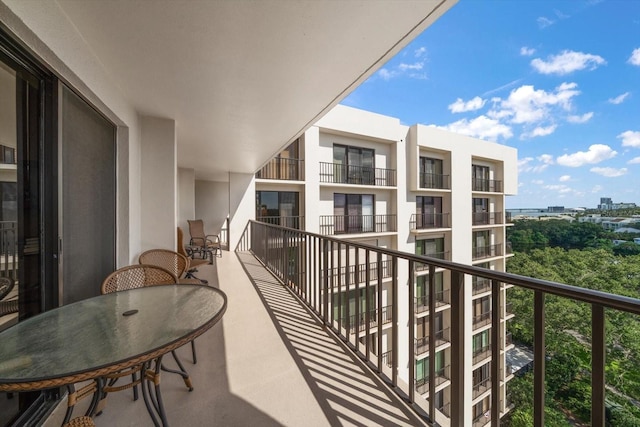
column 356, row 167
column 591, row 296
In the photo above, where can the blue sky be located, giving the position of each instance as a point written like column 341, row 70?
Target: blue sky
column 558, row 80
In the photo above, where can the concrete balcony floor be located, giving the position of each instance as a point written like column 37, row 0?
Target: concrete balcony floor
column 269, row 362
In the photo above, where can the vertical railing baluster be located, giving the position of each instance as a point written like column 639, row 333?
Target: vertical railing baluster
column 340, row 311
column 394, row 324
column 539, row 355
column 379, row 314
column 458, row 391
column 347, row 282
column 356, row 326
column 367, row 305
column 432, row 341
column 496, row 315
column 598, row 356
column 412, row 334
column 325, row 281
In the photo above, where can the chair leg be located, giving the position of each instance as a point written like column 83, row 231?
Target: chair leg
column 193, row 352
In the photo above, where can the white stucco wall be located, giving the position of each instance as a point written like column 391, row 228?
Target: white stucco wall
column 159, row 183
column 186, row 197
column 211, row 205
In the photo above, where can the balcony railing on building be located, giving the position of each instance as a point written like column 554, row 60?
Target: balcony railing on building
column 338, row 276
column 486, row 185
column 421, row 303
column 480, row 285
column 336, row 173
column 422, row 344
column 481, row 354
column 487, row 218
column 444, row 255
column 482, row 419
column 434, row 181
column 442, row 375
column 508, row 309
column 508, row 339
column 482, row 319
column 302, row 262
column 489, row 251
column 282, row 168
column 427, row 221
column 7, row 155
column 296, row 222
column 359, row 321
column 9, row 249
column 387, row 358
column 355, row 224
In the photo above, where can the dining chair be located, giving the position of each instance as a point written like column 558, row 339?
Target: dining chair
column 194, row 263
column 205, row 244
column 80, row 422
column 9, row 305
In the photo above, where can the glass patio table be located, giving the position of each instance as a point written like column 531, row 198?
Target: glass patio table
column 99, row 336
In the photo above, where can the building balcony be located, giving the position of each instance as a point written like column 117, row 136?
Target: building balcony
column 281, row 168
column 435, row 181
column 335, row 173
column 489, row 251
column 421, row 304
column 356, row 224
column 487, row 218
column 480, row 285
column 422, row 344
column 482, row 419
column 480, row 320
column 444, row 255
column 359, row 321
column 481, row 354
column 338, row 276
column 429, row 221
column 486, row 185
column 296, row 222
column 288, row 317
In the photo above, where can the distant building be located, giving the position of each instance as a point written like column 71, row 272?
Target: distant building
column 606, row 204
column 556, row 209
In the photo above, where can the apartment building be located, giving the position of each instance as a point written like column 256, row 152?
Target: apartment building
column 365, row 177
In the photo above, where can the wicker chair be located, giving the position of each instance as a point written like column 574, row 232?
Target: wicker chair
column 194, row 263
column 80, row 422
column 137, row 276
column 207, row 245
column 8, row 306
column 173, row 261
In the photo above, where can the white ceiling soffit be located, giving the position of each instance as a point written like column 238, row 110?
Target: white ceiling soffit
column 243, row 78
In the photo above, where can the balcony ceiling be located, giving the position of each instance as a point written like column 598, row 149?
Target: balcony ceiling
column 243, row 78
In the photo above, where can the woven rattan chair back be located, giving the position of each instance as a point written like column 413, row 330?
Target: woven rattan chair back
column 181, row 250
column 173, row 261
column 196, row 229
column 137, row 276
column 6, row 285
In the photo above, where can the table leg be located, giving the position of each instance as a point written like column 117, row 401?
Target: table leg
column 182, row 371
column 152, row 396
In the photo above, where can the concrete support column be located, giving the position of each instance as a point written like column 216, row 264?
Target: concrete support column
column 158, row 183
column 242, row 205
column 312, row 173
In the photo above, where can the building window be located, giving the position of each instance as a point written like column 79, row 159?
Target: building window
column 287, row 165
column 431, row 174
column 480, row 176
column 353, row 213
column 429, row 212
column 431, row 247
column 278, row 207
column 353, row 165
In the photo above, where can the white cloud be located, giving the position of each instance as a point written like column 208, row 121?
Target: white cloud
column 564, row 178
column 634, row 161
column 415, row 66
column 527, row 51
column 619, row 99
column 580, row 119
column 539, row 131
column 419, row 52
column 597, row 189
column 567, row 62
column 524, row 164
column 634, row 59
column 528, row 105
column 537, row 181
column 413, row 70
column 630, row 138
column 544, row 22
column 609, row 172
column 547, row 159
column 481, row 127
column 459, row 106
column 596, row 154
column 560, row 188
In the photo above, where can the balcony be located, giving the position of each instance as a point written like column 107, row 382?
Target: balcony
column 428, row 221
column 489, row 251
column 361, row 318
column 282, row 168
column 486, row 185
column 296, row 222
column 335, row 173
column 338, row 276
column 480, row 320
column 435, row 181
column 482, row 419
column 487, row 218
column 442, row 375
column 356, row 224
column 481, row 354
column 421, row 304
column 437, row 255
column 480, row 285
column 311, row 285
column 422, row 344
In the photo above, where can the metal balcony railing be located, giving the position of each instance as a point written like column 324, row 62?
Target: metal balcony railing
column 481, row 387
column 359, row 321
column 480, row 252
column 421, row 304
column 422, row 344
column 508, row 309
column 487, row 185
column 438, row 255
column 435, row 181
column 480, row 285
column 356, row 224
column 508, row 339
column 282, row 168
column 302, row 262
column 487, row 218
column 296, row 222
column 481, row 354
column 336, row 173
column 480, row 320
column 387, row 358
column 482, row 419
column 427, row 221
column 442, row 375
column 9, row 249
column 338, row 276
